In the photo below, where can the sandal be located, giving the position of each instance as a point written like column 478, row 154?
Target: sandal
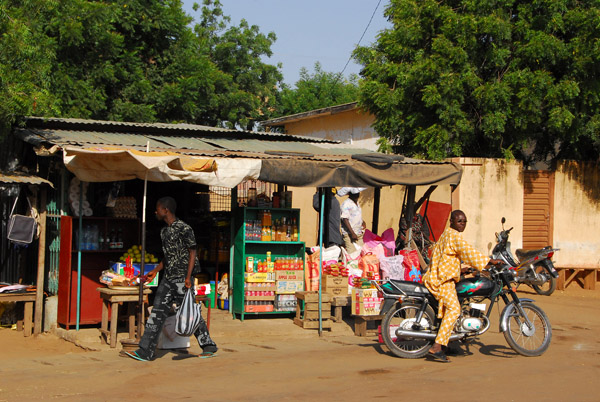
column 439, row 357
column 206, row 355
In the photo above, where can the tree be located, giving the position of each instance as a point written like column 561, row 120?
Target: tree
column 26, row 58
column 318, row 90
column 487, row 78
column 132, row 60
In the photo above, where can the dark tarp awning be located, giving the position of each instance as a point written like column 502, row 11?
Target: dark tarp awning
column 354, row 173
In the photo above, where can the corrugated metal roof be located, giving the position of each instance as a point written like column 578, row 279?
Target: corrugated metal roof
column 183, row 130
column 201, row 146
column 22, row 178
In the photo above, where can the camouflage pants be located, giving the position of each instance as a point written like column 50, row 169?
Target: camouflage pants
column 168, row 293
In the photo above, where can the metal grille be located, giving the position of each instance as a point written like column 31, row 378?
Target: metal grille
column 55, row 209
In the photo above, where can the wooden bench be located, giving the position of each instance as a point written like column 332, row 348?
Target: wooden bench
column 337, row 302
column 586, row 277
column 115, row 297
column 28, row 299
column 360, row 324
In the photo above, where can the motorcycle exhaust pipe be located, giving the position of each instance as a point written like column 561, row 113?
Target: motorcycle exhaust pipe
column 424, row 335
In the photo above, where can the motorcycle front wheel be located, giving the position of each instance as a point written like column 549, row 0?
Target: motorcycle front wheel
column 524, row 340
column 548, row 287
column 404, row 316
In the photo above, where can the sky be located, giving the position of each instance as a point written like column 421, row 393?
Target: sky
column 309, row 31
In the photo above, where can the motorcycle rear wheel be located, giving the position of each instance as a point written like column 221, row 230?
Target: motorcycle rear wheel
column 408, row 348
column 549, row 286
column 525, row 341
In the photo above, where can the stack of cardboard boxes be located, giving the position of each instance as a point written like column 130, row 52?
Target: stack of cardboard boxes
column 365, row 302
column 288, row 282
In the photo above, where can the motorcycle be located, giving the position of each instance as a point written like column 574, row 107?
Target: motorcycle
column 533, row 267
column 410, row 323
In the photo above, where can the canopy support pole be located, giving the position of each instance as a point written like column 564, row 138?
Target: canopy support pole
column 140, row 325
column 79, row 255
column 322, row 191
column 39, row 286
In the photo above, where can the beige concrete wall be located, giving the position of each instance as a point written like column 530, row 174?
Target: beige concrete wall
column 489, row 190
column 577, row 214
column 349, row 127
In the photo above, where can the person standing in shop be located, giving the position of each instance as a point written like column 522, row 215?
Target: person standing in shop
column 334, row 236
column 353, row 225
column 179, row 248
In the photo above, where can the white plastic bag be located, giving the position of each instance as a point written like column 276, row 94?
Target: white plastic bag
column 188, row 314
column 392, row 267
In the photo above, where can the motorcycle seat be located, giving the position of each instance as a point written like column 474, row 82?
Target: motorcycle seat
column 524, row 255
column 408, row 287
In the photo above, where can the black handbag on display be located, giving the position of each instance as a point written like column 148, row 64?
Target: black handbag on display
column 21, row 229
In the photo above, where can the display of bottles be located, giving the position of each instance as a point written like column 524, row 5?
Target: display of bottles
column 268, row 229
column 288, row 263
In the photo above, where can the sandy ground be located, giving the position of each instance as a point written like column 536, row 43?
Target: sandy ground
column 272, row 359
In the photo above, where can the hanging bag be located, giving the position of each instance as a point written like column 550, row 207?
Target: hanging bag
column 188, row 314
column 21, row 229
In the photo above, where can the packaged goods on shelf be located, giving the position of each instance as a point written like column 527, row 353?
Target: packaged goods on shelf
column 259, row 277
column 289, row 275
column 286, row 303
column 125, row 207
column 289, row 287
column 257, row 306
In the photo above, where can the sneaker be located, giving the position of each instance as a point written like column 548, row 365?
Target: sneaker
column 138, row 355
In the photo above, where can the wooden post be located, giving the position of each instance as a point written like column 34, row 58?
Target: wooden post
column 39, row 286
column 376, row 202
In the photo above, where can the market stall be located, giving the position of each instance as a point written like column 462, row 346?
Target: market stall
column 108, row 151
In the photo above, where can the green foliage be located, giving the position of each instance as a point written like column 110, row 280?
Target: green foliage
column 493, row 78
column 318, row 90
column 25, row 63
column 132, row 60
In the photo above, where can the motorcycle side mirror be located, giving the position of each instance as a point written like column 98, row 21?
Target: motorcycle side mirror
column 503, row 220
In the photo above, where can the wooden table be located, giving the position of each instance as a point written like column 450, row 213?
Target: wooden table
column 337, row 302
column 115, row 297
column 203, row 298
column 360, row 324
column 26, row 324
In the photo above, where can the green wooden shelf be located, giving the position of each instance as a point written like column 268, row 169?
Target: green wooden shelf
column 257, row 249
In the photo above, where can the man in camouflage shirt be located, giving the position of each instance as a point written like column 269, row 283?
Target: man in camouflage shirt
column 179, row 248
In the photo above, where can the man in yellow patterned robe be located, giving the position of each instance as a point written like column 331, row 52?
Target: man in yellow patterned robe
column 444, row 271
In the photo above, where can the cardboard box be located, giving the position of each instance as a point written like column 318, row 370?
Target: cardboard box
column 334, row 292
column 368, row 308
column 365, row 302
column 286, row 303
column 259, row 277
column 289, row 275
column 335, row 285
column 118, row 267
column 259, row 309
column 289, row 287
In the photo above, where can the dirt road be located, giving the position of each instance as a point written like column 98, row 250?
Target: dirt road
column 268, row 360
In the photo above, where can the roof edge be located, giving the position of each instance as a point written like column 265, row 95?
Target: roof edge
column 310, row 114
